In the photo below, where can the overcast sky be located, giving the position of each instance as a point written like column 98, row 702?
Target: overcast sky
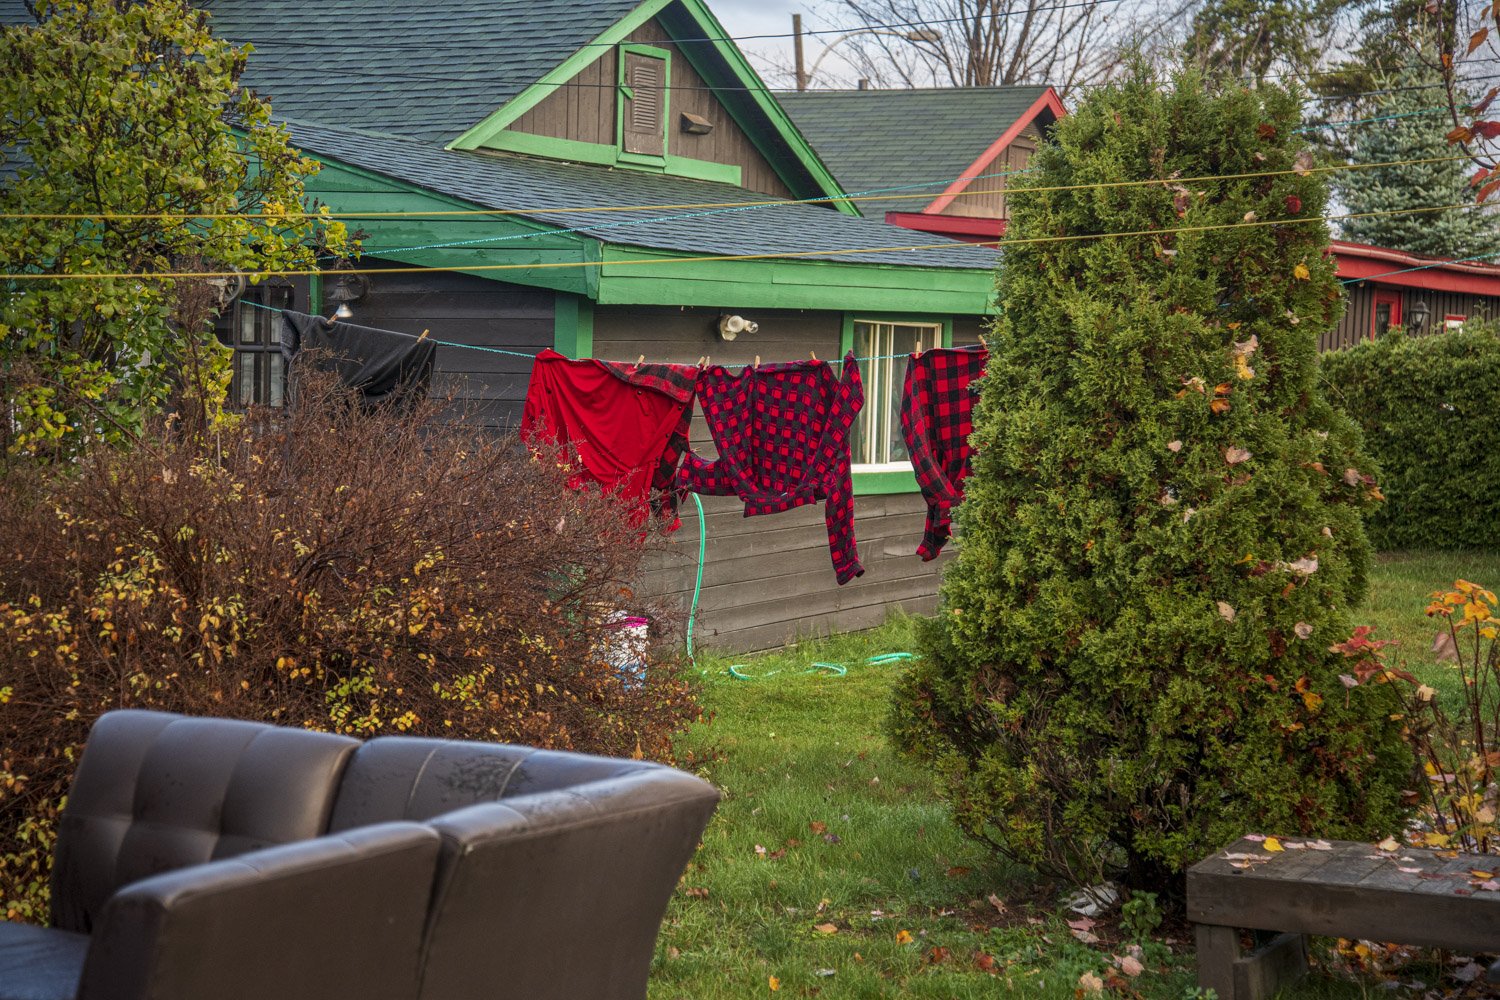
column 742, row 18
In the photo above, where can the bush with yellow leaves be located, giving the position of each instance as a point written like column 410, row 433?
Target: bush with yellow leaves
column 1458, row 792
column 331, row 568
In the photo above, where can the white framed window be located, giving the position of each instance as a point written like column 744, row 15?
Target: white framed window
column 877, row 444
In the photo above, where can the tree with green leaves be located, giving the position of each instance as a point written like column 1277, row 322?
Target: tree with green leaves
column 133, row 162
column 1414, row 131
column 1163, row 531
column 1251, row 40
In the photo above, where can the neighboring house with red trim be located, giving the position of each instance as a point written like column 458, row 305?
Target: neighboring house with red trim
column 1386, row 290
column 933, row 160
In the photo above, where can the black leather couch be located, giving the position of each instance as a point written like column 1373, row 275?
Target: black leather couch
column 210, row 859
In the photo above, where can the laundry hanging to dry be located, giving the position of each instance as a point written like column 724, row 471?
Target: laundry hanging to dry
column 381, row 364
column 627, row 424
column 782, row 434
column 937, row 417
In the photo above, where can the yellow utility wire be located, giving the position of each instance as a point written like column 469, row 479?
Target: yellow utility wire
column 451, row 213
column 787, row 255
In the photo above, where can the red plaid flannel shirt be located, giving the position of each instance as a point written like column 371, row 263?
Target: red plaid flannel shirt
column 782, row 433
column 937, row 416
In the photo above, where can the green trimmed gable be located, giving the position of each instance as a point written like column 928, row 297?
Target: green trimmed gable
column 592, row 107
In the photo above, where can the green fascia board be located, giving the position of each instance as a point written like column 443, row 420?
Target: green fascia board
column 487, row 133
column 755, row 90
column 484, row 133
column 639, row 276
column 410, row 239
column 603, row 155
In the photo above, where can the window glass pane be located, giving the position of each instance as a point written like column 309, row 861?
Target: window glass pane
column 277, row 378
column 877, row 438
column 247, row 323
column 245, row 395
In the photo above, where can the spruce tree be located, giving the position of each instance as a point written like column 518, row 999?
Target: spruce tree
column 1416, row 135
column 1162, row 534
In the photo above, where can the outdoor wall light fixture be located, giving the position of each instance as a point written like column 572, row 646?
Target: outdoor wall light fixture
column 1419, row 314
column 349, row 288
column 732, row 326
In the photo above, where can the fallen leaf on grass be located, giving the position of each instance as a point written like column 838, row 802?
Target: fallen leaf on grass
column 1234, row 456
column 1087, row 937
column 760, row 851
column 818, row 827
column 695, row 892
column 1081, row 924
column 826, row 928
column 984, row 962
column 958, row 871
column 903, row 937
column 774, row 983
column 1130, row 965
column 1226, row 611
column 938, row 954
column 997, row 903
column 1090, row 983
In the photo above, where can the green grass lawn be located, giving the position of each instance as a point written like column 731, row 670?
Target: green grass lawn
column 832, row 870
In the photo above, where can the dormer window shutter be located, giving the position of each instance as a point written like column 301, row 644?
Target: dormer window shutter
column 643, row 94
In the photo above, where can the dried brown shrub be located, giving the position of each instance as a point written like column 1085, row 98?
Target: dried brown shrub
column 329, row 568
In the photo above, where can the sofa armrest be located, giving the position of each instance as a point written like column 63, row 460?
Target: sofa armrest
column 559, row 895
column 339, row 916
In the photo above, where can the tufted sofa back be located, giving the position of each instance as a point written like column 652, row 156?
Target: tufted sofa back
column 407, row 778
column 544, row 853
column 156, row 792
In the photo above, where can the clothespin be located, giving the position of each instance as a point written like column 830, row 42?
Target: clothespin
column 757, row 362
column 701, row 360
column 640, row 361
column 422, row 337
column 982, row 343
column 813, row 355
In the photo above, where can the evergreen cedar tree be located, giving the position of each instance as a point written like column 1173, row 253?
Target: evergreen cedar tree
column 1162, row 534
column 1417, row 136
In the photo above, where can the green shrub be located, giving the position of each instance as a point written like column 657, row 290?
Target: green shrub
column 1423, row 403
column 361, row 573
column 1130, row 666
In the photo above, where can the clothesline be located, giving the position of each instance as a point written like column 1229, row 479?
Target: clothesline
column 532, row 354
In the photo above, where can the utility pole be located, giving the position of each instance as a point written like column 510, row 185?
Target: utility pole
column 797, row 48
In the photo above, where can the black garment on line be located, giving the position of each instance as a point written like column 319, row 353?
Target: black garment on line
column 379, row 363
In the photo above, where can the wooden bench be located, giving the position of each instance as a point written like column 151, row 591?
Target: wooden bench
column 1346, row 889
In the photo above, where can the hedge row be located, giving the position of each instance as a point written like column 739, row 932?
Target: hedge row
column 1426, row 405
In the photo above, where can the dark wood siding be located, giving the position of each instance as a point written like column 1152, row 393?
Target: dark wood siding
column 769, row 579
column 584, row 110
column 985, row 196
column 465, row 309
column 1358, row 316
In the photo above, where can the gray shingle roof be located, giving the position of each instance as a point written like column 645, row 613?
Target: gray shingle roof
column 512, row 181
column 880, row 139
column 431, row 69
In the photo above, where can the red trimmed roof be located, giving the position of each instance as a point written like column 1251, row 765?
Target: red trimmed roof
column 1049, row 101
column 1439, row 274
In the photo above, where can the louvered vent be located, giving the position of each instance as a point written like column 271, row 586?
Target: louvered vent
column 645, row 110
